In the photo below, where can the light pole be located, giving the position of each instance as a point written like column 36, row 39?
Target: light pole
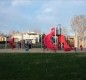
column 21, row 40
column 6, row 41
column 55, row 36
column 41, row 40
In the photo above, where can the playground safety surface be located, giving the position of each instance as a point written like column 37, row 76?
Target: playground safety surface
column 37, row 50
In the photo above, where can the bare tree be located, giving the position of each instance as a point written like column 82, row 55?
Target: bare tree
column 13, row 32
column 65, row 31
column 37, row 30
column 78, row 24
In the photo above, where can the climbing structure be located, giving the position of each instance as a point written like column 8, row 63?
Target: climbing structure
column 61, row 40
column 48, row 40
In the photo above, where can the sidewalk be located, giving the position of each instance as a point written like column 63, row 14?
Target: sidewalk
column 36, row 50
column 33, row 50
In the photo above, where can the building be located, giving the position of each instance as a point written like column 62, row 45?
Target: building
column 70, row 40
column 2, row 38
column 80, row 40
column 32, row 36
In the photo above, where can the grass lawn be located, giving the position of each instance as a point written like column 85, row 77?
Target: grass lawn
column 18, row 66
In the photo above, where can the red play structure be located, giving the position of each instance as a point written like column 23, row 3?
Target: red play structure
column 11, row 43
column 48, row 42
column 61, row 40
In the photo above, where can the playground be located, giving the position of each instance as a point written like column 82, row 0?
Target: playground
column 54, row 41
column 55, row 60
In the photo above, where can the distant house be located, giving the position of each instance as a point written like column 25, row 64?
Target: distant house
column 2, row 38
column 17, row 36
column 80, row 41
column 32, row 36
column 70, row 40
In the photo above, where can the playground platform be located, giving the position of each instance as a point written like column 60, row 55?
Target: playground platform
column 37, row 50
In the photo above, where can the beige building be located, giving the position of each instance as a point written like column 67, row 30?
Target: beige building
column 34, row 37
column 80, row 41
column 2, row 38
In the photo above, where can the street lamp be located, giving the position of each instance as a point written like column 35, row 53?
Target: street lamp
column 6, row 41
column 22, row 41
column 55, row 36
column 41, row 40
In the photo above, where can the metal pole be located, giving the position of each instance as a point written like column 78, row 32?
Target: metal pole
column 60, row 37
column 59, row 25
column 55, row 37
column 6, row 42
column 22, row 42
column 41, row 40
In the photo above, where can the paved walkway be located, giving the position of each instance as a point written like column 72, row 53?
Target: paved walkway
column 33, row 50
column 36, row 50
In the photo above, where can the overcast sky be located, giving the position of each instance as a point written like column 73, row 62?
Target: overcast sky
column 27, row 15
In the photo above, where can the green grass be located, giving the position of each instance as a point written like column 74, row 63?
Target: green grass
column 42, row 66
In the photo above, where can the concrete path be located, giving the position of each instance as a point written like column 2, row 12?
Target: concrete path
column 33, row 50
column 36, row 50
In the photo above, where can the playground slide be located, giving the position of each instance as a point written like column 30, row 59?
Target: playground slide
column 48, row 42
column 62, row 39
column 11, row 43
